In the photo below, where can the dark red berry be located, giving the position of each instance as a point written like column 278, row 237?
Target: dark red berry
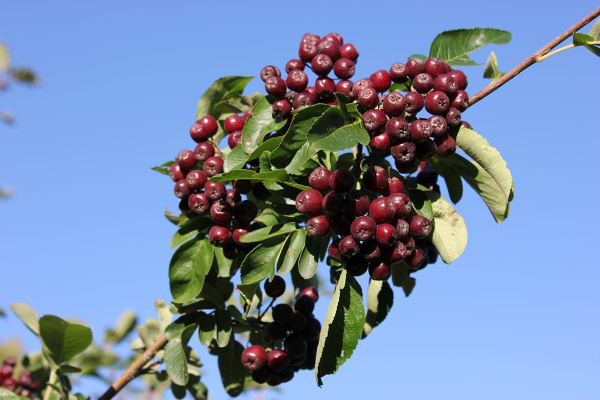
column 260, row 192
column 408, row 167
column 446, row 145
column 394, row 185
column 278, row 360
column 181, row 189
column 420, row 130
column 398, row 128
column 185, row 209
column 295, row 345
column 282, row 109
column 445, row 83
column 404, row 152
column 363, row 228
column 219, row 236
column 275, row 86
column 345, row 87
column 237, row 232
column 318, row 226
column 356, row 265
column 382, row 210
column 460, row 100
column 234, row 139
column 415, row 66
column 282, row 314
column 344, row 68
column 312, row 330
column 10, row 384
column 319, row 179
column 6, row 371
column 199, row 203
column 268, row 72
column 210, row 123
column 275, row 288
column 215, row 190
column 335, row 37
column 396, row 253
column 437, row 103
column 321, row 64
column 233, row 123
column 409, row 243
column 393, row 105
column 420, row 227
column 425, row 149
column 414, row 102
column 380, row 271
column 307, row 51
column 349, row 51
column 309, row 202
column 254, row 358
column 311, row 292
column 402, row 204
column 374, row 120
column 385, row 234
column 375, row 179
column 340, row 223
column 247, row 114
column 399, row 72
column 416, row 259
column 461, row 79
column 333, row 250
column 341, row 181
column 348, row 246
column 438, row 125
column 381, row 143
column 294, row 64
column 196, row 180
column 311, row 38
column 368, row 98
column 435, row 67
column 199, row 133
column 381, row 80
column 427, row 177
column 330, row 48
column 245, row 211
column 333, row 202
column 465, row 124
column 357, row 203
column 370, row 250
column 304, row 99
column 361, row 85
column 453, row 117
column 204, row 151
column 175, row 172
column 213, row 166
column 423, row 83
column 298, row 322
column 325, row 87
column 297, row 80
column 220, row 212
column 304, row 304
column 243, row 186
column 262, row 375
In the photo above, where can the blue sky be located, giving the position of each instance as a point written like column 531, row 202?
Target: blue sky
column 515, row 317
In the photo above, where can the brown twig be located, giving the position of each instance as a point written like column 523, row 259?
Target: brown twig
column 529, row 61
column 134, row 369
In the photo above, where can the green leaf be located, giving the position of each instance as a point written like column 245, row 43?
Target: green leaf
column 595, row 30
column 401, row 278
column 247, row 292
column 260, row 262
column 126, row 323
column 165, row 316
column 149, row 332
column 452, row 178
column 260, row 124
column 400, row 87
column 63, row 340
column 188, row 268
column 6, row 394
column 233, row 373
column 581, row 38
column 490, row 70
column 309, row 260
column 236, row 159
column 331, row 132
column 420, row 203
column 291, row 252
column 164, row 168
column 454, row 46
column 178, row 334
column 222, row 89
column 208, row 329
column 268, row 232
column 224, row 327
column 594, row 49
column 189, row 229
column 197, row 388
column 175, row 219
column 380, row 298
column 449, row 234
column 226, row 267
column 27, row 315
column 305, row 153
column 267, row 145
column 278, row 175
column 69, row 369
column 342, row 327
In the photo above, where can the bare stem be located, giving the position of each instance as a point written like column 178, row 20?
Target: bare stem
column 538, row 56
column 51, row 381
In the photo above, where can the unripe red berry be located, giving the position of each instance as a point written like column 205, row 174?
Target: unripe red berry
column 219, row 236
column 445, row 83
column 393, row 105
column 268, row 72
column 394, row 185
column 196, row 180
column 460, row 100
column 415, row 66
column 199, row 133
column 385, row 234
column 435, row 67
column 321, row 64
column 437, row 103
column 345, row 87
column 402, row 204
column 438, row 125
column 349, row 51
column 348, row 246
column 325, row 87
column 368, row 98
column 374, row 120
column 220, row 212
column 453, row 117
column 278, row 360
column 175, row 172
column 304, row 99
column 333, row 250
column 381, row 80
column 399, row 73
column 309, row 202
column 461, row 79
column 237, row 232
column 318, row 226
column 380, row 271
column 380, row 143
column 382, row 210
column 234, row 139
column 204, row 151
column 275, row 86
column 330, row 48
column 341, row 181
column 375, row 179
column 275, row 288
column 210, row 123
column 396, row 253
column 294, row 64
column 213, row 166
column 254, row 358
column 404, row 152
column 423, row 83
column 356, row 266
column 333, row 202
column 245, row 211
column 296, row 80
column 363, row 228
column 304, row 304
column 446, row 145
column 344, row 68
column 420, row 227
column 307, row 51
column 420, row 130
column 398, row 128
column 414, row 102
column 282, row 109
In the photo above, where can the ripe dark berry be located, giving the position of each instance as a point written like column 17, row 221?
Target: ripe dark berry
column 295, row 345
column 345, row 87
column 297, row 80
column 402, row 204
column 340, row 223
column 325, row 87
column 196, row 180
column 254, row 358
column 416, row 259
column 402, row 227
column 409, row 243
column 213, row 166
column 404, row 152
column 381, row 80
column 380, row 271
column 307, row 51
column 275, row 288
column 333, row 250
column 375, row 179
column 304, row 304
column 204, row 151
column 294, row 64
column 398, row 128
column 460, row 100
column 425, row 149
column 335, row 37
column 437, row 103
column 382, row 210
column 374, row 120
column 415, row 66
column 220, row 212
column 237, row 232
column 298, row 322
column 420, row 130
column 275, row 86
column 461, row 79
column 399, row 72
column 278, row 360
column 446, row 145
column 394, row 185
column 219, row 236
column 245, row 211
column 333, row 202
column 186, row 160
column 319, row 179
column 312, row 330
column 282, row 314
column 453, row 117
column 435, row 67
column 445, row 83
column 414, row 102
column 356, row 265
column 243, row 186
column 304, row 99
column 341, row 180
column 427, row 177
column 363, row 228
column 276, row 331
column 262, row 375
column 348, row 246
column 311, row 292
column 309, row 202
column 175, row 172
column 210, row 123
column 234, row 139
column 465, row 124
column 420, row 227
column 215, row 190
column 385, row 234
column 368, row 98
column 370, row 250
column 423, row 83
column 381, row 143
column 268, row 72
column 233, row 123
column 438, row 125
column 396, row 253
column 357, row 203
column 321, row 64
column 10, row 384
column 311, row 38
column 330, row 48
column 282, row 109
column 344, row 68
column 199, row 133
column 318, row 226
column 349, row 51
column 361, row 85
column 185, row 209
column 199, row 203
column 6, row 371
column 260, row 192
column 393, row 105
column 181, row 189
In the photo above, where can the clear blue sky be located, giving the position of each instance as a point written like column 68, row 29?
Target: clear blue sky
column 516, row 317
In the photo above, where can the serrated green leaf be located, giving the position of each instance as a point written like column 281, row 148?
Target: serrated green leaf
column 125, row 324
column 267, row 232
column 331, row 132
column 455, row 45
column 236, row 159
column 260, row 124
column 291, row 252
column 449, row 234
column 342, row 327
column 224, row 327
column 188, row 267
column 452, row 178
column 189, row 229
column 260, row 262
column 27, row 315
column 380, row 298
column 222, row 89
column 595, row 30
column 267, row 145
column 581, row 38
column 233, row 373
column 63, row 340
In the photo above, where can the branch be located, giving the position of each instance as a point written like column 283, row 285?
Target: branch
column 135, row 368
column 535, row 57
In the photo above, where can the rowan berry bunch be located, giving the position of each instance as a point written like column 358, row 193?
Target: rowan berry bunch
column 24, row 385
column 293, row 336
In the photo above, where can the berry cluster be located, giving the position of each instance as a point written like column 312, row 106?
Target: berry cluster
column 390, row 232
column 295, row 330
column 229, row 211
column 321, row 55
column 25, row 385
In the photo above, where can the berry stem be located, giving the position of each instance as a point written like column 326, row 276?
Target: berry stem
column 538, row 56
column 266, row 309
column 216, row 146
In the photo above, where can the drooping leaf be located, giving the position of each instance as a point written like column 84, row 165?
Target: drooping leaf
column 63, row 340
column 189, row 229
column 342, row 327
column 278, row 175
column 291, row 252
column 27, row 315
column 164, row 168
column 179, row 334
column 207, row 330
column 247, row 294
column 175, row 219
column 233, row 373
column 260, row 262
column 260, row 124
column 188, row 268
column 593, row 49
column 224, row 327
column 379, row 302
column 267, row 232
column 454, row 46
column 401, row 278
column 491, row 71
column 309, row 259
column 126, row 323
column 236, row 159
column 449, row 234
column 452, row 178
column 222, row 89
column 301, row 157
